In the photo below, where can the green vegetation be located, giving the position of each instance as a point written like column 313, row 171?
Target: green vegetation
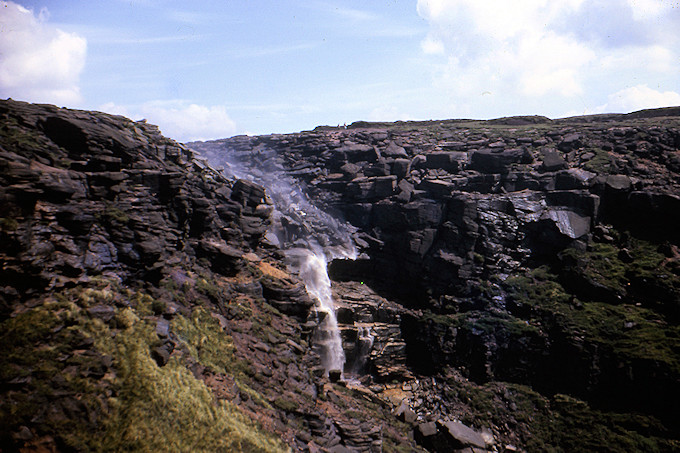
column 7, row 224
column 208, row 287
column 43, row 354
column 557, row 424
column 113, row 215
column 498, row 323
column 167, row 409
column 20, row 139
column 628, row 331
column 639, row 273
column 617, row 310
column 484, row 322
column 600, row 163
column 601, row 265
column 286, row 405
column 537, row 288
column 575, row 426
column 207, row 342
column 112, row 395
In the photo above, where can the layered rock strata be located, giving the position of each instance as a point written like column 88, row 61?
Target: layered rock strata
column 516, row 287
column 138, row 295
column 528, row 250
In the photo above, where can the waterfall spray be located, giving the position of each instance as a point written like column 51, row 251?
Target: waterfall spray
column 364, row 345
column 309, row 237
column 313, row 271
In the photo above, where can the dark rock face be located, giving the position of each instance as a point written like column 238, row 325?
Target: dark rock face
column 517, row 287
column 104, row 194
column 506, row 242
column 506, row 195
column 136, row 280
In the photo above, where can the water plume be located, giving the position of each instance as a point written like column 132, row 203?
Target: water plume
column 309, row 236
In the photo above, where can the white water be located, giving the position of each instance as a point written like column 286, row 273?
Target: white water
column 311, row 263
column 313, row 271
column 310, row 238
column 365, row 340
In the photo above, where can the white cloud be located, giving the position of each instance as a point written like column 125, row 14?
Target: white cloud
column 637, row 98
column 654, row 58
column 39, row 63
column 115, row 109
column 432, row 46
column 352, row 14
column 645, row 9
column 553, row 55
column 505, row 47
column 549, row 63
column 180, row 120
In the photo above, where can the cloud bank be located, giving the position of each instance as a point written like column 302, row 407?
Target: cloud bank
column 180, row 120
column 637, row 98
column 38, row 62
column 535, row 52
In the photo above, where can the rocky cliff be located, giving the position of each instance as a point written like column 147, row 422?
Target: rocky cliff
column 521, row 250
column 138, row 303
column 517, row 287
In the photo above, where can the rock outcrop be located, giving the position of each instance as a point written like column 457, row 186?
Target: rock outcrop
column 517, row 286
column 526, row 250
column 138, row 294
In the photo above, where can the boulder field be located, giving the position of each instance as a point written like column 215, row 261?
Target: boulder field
column 517, row 287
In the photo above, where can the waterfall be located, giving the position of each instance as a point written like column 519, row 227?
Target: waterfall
column 308, row 236
column 364, row 345
column 313, row 271
column 311, row 263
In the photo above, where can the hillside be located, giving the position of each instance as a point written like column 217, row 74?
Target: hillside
column 516, row 286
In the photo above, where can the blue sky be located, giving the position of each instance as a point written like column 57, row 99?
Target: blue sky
column 210, row 69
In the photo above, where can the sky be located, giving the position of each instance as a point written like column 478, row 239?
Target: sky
column 209, row 69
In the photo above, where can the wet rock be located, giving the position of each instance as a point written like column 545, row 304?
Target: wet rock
column 569, row 142
column 450, row 162
column 437, row 189
column 289, row 298
column 490, row 160
column 357, row 152
column 161, row 354
column 570, row 223
column 372, row 188
column 400, row 167
column 618, row 183
column 162, row 328
column 425, row 434
column 394, row 150
column 23, row 434
column 223, row 257
column 248, row 193
column 334, row 375
column 350, row 170
column 340, row 449
column 573, row 178
column 552, row 161
column 461, row 436
column 150, row 250
column 405, row 413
